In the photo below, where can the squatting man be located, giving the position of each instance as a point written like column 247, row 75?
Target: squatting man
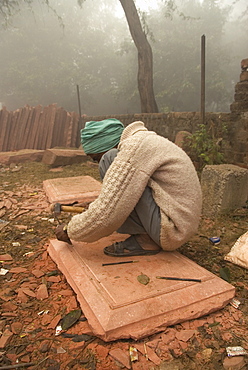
column 150, row 190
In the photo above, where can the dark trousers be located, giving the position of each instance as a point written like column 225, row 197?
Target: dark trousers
column 145, row 218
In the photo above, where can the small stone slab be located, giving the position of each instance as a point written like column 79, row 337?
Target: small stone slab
column 21, row 156
column 83, row 189
column 118, row 306
column 64, row 157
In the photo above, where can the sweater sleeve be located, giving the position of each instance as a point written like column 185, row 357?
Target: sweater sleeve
column 122, row 188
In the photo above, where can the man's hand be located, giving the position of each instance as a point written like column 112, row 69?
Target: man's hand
column 61, row 234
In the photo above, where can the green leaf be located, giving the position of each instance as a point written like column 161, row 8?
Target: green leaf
column 216, row 323
column 82, row 338
column 225, row 274
column 53, row 273
column 70, row 319
column 143, row 279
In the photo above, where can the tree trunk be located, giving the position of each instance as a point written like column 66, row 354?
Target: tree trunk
column 145, row 60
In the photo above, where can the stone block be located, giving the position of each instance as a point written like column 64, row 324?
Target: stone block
column 83, row 189
column 118, row 306
column 64, row 157
column 182, row 139
column 224, row 188
column 20, row 156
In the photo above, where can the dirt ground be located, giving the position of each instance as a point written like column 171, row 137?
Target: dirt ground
column 35, row 296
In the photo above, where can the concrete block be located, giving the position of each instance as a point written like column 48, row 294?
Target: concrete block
column 224, row 188
column 118, row 306
column 84, row 189
column 64, row 157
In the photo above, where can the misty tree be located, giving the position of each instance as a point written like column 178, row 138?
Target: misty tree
column 145, row 57
column 41, row 62
column 177, row 55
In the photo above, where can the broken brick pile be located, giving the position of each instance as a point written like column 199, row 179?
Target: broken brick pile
column 34, row 297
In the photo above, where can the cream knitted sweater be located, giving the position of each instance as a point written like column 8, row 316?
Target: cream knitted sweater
column 144, row 158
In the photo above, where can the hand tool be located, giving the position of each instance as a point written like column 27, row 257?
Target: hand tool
column 57, row 208
column 118, row 263
column 179, row 279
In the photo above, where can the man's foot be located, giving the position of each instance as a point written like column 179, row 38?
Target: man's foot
column 138, row 245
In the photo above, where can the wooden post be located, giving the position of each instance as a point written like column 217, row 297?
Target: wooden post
column 79, row 109
column 203, row 55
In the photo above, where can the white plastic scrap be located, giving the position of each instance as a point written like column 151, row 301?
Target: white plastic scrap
column 58, row 330
column 236, row 351
column 235, row 303
column 28, row 254
column 43, row 312
column 133, row 354
column 16, row 244
column 3, row 271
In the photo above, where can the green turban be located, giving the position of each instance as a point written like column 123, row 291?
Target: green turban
column 101, row 136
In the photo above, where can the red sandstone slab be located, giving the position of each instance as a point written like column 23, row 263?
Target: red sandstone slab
column 21, row 156
column 63, row 157
column 118, row 306
column 83, row 189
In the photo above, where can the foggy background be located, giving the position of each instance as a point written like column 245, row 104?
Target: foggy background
column 46, row 52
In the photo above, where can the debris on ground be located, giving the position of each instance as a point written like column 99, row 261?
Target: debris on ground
column 35, row 297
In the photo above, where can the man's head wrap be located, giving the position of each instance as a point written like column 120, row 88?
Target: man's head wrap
column 101, row 136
